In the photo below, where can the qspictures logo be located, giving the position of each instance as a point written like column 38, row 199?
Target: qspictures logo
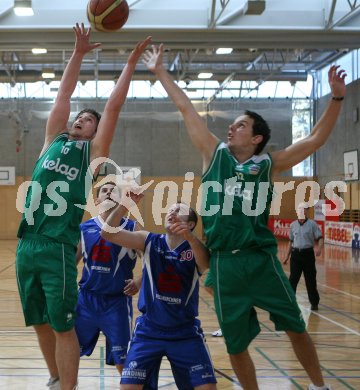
column 165, row 193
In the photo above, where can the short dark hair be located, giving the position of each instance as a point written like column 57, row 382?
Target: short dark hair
column 260, row 127
column 192, row 217
column 102, row 185
column 96, row 114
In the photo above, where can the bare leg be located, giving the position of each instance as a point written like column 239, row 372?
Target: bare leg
column 131, row 387
column 208, row 386
column 119, row 367
column 244, row 369
column 209, row 290
column 47, row 342
column 67, row 358
column 307, row 356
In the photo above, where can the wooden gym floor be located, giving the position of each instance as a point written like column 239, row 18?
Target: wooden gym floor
column 335, row 329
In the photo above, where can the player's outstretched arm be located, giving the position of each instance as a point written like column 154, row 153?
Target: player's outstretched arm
column 107, row 125
column 113, row 233
column 200, row 135
column 293, row 154
column 60, row 112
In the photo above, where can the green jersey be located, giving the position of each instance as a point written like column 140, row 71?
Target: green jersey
column 57, row 186
column 236, row 202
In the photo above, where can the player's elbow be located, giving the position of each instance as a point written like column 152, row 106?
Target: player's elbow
column 105, row 234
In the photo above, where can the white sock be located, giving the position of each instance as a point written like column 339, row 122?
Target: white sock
column 314, row 387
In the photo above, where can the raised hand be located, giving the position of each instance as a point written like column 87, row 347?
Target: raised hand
column 82, row 44
column 138, row 51
column 337, row 81
column 154, row 59
column 131, row 195
column 182, row 228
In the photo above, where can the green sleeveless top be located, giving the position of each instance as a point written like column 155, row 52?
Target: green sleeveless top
column 236, row 200
column 58, row 184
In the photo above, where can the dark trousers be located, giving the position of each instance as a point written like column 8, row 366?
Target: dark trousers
column 304, row 262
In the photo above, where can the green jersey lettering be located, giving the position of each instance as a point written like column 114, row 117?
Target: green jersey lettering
column 241, row 199
column 58, row 184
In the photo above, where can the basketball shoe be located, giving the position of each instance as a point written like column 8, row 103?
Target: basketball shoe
column 53, row 384
column 217, row 333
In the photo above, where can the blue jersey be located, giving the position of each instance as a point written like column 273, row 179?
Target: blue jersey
column 106, row 265
column 169, row 295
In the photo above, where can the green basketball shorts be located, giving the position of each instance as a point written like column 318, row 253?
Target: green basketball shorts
column 245, row 280
column 46, row 276
column 209, row 280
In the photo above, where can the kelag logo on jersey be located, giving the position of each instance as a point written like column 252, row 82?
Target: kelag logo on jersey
column 64, row 169
column 252, row 169
column 187, row 255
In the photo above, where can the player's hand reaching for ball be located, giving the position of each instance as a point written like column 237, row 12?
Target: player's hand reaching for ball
column 131, row 195
column 181, row 227
column 82, row 44
column 337, row 81
column 154, row 59
column 138, row 51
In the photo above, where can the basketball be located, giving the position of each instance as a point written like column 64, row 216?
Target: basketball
column 107, row 15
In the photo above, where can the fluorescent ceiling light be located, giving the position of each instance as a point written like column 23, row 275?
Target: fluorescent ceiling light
column 224, row 50
column 205, row 75
column 23, row 8
column 48, row 73
column 39, row 50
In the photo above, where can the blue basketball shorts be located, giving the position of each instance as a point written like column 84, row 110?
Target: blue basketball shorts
column 189, row 357
column 111, row 315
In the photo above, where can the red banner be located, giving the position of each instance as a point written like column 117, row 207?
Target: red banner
column 280, row 227
column 339, row 233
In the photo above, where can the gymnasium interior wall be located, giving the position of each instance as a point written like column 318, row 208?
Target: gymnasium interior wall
column 151, row 135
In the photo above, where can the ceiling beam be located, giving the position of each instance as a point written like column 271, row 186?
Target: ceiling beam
column 233, row 15
column 354, row 11
column 221, row 87
column 329, row 20
column 32, row 76
column 255, row 7
column 191, row 39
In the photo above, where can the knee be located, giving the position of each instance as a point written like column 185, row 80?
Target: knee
column 209, row 386
column 295, row 336
column 243, row 355
column 69, row 334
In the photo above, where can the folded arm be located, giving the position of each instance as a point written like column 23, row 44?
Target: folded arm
column 201, row 253
column 113, row 233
